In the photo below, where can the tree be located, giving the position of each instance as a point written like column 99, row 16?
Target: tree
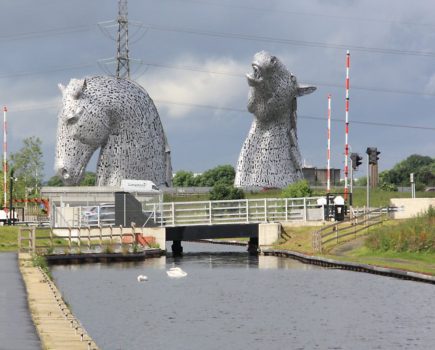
column 221, row 191
column 55, row 181
column 297, row 189
column 423, row 168
column 224, row 174
column 361, row 181
column 28, row 166
column 183, row 178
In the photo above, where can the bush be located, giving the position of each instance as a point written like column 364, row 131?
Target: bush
column 223, row 174
column 297, row 189
column 388, row 187
column 416, row 235
column 222, row 191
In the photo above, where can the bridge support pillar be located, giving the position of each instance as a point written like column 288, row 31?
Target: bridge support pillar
column 268, row 234
column 253, row 246
column 177, row 248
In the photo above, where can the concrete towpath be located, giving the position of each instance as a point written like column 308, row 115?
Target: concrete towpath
column 16, row 327
column 58, row 329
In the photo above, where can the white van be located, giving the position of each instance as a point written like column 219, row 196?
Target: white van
column 139, row 186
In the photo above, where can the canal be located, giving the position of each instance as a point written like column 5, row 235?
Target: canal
column 230, row 300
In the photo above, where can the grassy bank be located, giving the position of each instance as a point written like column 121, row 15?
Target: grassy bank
column 9, row 238
column 405, row 244
column 416, row 235
column 417, row 262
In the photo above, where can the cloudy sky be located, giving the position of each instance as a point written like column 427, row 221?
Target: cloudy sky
column 193, row 56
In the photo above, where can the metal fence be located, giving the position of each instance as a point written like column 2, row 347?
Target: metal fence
column 331, row 235
column 75, row 239
column 198, row 212
column 236, row 211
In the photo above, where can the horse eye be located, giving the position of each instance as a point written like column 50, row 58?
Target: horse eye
column 72, row 120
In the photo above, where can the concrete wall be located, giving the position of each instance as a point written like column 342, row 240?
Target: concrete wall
column 159, row 233
column 409, row 207
column 316, row 176
column 268, row 234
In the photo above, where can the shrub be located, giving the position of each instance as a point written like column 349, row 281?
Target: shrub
column 297, row 189
column 388, row 187
column 415, row 235
column 222, row 191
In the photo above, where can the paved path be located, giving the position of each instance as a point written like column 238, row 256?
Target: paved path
column 16, row 327
column 57, row 327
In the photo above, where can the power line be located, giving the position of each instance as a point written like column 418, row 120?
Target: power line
column 248, row 37
column 308, row 14
column 302, row 43
column 201, row 70
column 302, row 116
column 50, row 70
column 335, row 85
column 18, row 109
column 46, row 32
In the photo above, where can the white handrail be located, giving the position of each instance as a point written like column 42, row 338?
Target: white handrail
column 229, row 212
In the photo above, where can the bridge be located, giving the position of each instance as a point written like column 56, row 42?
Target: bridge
column 257, row 219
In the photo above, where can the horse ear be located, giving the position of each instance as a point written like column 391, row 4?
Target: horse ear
column 305, row 90
column 81, row 86
column 61, row 88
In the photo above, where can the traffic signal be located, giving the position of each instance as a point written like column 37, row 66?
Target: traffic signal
column 373, row 155
column 356, row 160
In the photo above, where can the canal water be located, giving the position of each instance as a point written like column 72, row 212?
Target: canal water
column 230, row 300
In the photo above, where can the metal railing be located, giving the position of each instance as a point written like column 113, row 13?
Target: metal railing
column 201, row 212
column 331, row 235
column 236, row 211
column 76, row 239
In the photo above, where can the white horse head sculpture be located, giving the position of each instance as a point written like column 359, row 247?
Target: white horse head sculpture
column 119, row 117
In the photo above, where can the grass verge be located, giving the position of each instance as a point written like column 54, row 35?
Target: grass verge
column 9, row 238
column 299, row 239
column 417, row 262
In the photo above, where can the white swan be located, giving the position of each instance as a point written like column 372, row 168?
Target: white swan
column 142, row 278
column 176, row 272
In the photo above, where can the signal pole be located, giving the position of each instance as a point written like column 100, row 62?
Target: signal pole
column 328, row 166
column 372, row 164
column 368, row 180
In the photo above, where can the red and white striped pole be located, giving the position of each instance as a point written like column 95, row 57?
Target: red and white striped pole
column 328, row 167
column 5, row 150
column 346, row 147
